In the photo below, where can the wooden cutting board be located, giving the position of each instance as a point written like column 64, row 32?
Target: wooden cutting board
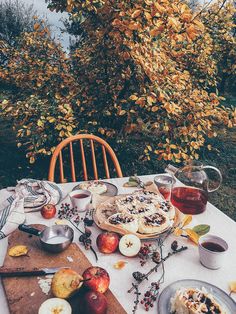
column 24, row 294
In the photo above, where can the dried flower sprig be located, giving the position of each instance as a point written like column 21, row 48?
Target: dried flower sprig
column 72, row 215
column 150, row 296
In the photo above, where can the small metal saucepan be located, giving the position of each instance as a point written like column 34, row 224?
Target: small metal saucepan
column 53, row 239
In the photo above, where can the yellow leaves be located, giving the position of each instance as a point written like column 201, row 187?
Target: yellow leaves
column 178, row 232
column 51, row 119
column 199, row 25
column 69, row 128
column 174, row 23
column 186, row 221
column 232, row 286
column 119, row 265
column 192, row 32
column 159, row 8
column 32, row 160
column 18, row 250
column 133, row 26
column 136, row 13
column 36, row 26
column 40, row 123
column 155, row 108
column 133, row 97
column 193, row 236
column 62, row 133
column 122, row 112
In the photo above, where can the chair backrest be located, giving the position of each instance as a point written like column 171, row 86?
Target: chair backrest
column 92, row 139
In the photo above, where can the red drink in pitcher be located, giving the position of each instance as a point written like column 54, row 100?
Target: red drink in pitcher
column 189, row 200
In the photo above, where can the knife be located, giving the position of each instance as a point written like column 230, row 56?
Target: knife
column 20, row 271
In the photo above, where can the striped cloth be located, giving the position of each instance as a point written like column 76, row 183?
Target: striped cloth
column 28, row 196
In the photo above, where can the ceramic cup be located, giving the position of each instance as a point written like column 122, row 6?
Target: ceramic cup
column 80, row 199
column 212, row 251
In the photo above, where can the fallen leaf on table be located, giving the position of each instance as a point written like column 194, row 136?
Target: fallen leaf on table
column 192, row 235
column 61, row 222
column 18, row 250
column 178, row 232
column 201, row 229
column 186, row 221
column 232, row 286
column 119, row 264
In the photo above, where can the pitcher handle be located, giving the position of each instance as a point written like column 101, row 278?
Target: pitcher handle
column 220, row 177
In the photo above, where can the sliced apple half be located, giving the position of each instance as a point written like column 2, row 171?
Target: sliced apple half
column 129, row 245
column 55, row 305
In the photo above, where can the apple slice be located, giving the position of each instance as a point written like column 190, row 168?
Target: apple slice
column 129, row 245
column 55, row 305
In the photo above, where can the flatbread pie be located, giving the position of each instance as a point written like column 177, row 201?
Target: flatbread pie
column 154, row 223
column 127, row 222
column 194, row 301
column 143, row 212
column 166, row 208
column 96, row 187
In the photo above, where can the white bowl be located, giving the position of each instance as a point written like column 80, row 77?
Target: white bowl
column 82, row 202
column 212, row 259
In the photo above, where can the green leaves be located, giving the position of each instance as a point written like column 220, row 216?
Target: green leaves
column 201, row 229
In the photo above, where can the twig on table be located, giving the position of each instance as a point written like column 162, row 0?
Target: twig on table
column 154, row 269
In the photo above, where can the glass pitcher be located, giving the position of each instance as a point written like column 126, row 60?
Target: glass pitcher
column 189, row 192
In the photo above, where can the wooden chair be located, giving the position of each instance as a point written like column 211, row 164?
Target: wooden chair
column 69, row 144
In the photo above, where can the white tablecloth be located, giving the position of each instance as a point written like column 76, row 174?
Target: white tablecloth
column 184, row 265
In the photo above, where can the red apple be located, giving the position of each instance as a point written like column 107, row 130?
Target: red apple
column 107, row 242
column 95, row 303
column 48, row 211
column 99, row 279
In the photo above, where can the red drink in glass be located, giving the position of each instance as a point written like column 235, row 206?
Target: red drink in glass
column 165, row 191
column 188, row 200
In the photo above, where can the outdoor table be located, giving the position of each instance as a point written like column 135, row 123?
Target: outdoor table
column 184, row 265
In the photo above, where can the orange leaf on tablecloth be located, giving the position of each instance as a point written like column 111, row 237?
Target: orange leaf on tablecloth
column 192, row 235
column 119, row 264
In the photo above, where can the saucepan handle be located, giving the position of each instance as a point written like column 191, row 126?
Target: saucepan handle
column 29, row 229
column 219, row 178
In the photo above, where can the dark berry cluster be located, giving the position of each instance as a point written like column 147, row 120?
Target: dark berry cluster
column 174, row 245
column 85, row 239
column 138, row 276
column 68, row 212
column 148, row 252
column 150, row 296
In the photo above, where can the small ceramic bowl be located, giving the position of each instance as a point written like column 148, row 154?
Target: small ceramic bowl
column 212, row 251
column 81, row 199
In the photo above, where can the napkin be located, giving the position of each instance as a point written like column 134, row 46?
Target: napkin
column 29, row 195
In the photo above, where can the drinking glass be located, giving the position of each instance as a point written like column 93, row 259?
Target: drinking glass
column 164, row 183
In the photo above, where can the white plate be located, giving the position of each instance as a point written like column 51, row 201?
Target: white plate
column 112, row 190
column 220, row 296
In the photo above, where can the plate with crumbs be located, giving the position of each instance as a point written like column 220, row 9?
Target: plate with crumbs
column 103, row 188
column 226, row 303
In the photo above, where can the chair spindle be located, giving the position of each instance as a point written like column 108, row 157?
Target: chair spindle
column 105, row 162
column 83, row 160
column 95, row 171
column 72, row 163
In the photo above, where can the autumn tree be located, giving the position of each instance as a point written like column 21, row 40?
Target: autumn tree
column 40, row 73
column 146, row 69
column 143, row 73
